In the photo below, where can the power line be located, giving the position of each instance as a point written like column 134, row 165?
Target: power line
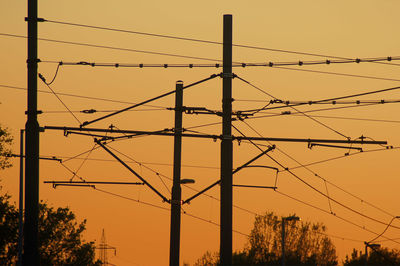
column 313, row 119
column 112, row 48
column 218, row 65
column 317, row 190
column 323, row 179
column 339, row 74
column 163, row 208
column 334, row 214
column 204, row 41
column 82, row 96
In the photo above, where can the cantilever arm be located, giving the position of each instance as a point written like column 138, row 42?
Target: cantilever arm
column 132, row 171
column 233, row 172
column 147, row 101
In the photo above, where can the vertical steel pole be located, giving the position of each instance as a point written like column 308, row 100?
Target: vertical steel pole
column 21, row 196
column 31, row 246
column 283, row 241
column 176, row 187
column 226, row 147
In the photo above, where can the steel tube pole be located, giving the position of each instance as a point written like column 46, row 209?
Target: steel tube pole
column 226, row 147
column 21, row 197
column 31, row 246
column 175, row 230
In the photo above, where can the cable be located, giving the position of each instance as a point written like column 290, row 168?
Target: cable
column 235, row 64
column 337, row 216
column 317, row 175
column 396, row 217
column 83, row 97
column 339, row 74
column 315, row 120
column 113, row 48
column 55, row 94
column 346, row 118
column 317, row 190
column 199, row 40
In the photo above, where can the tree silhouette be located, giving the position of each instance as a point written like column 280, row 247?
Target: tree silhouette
column 305, row 244
column 60, row 236
column 5, row 151
column 376, row 256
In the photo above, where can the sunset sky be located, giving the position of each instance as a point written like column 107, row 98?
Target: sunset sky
column 363, row 186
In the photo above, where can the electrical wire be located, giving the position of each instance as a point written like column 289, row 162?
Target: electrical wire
column 346, row 118
column 313, row 119
column 112, row 48
column 217, row 65
column 339, row 74
column 199, row 40
column 335, row 215
column 55, row 94
column 324, row 179
column 83, row 97
column 317, row 190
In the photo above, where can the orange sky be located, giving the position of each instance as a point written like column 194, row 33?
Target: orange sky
column 140, row 232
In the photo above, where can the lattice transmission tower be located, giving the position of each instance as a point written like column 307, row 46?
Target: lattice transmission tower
column 104, row 247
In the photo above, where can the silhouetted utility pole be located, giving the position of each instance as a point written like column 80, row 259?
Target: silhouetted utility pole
column 31, row 250
column 21, row 197
column 226, row 147
column 174, row 246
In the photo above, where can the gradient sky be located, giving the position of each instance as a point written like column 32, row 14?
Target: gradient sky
column 365, row 182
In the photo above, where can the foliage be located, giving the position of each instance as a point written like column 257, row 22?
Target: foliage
column 376, row 256
column 305, row 244
column 60, row 236
column 5, row 151
column 8, row 231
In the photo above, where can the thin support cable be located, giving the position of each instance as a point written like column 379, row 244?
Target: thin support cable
column 83, row 162
column 55, row 94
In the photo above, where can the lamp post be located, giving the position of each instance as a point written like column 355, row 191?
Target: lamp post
column 284, row 219
column 367, row 244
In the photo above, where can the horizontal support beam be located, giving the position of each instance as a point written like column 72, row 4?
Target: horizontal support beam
column 253, row 186
column 92, row 182
column 239, row 138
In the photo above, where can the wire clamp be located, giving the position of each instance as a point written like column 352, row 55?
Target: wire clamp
column 227, row 75
column 35, row 19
